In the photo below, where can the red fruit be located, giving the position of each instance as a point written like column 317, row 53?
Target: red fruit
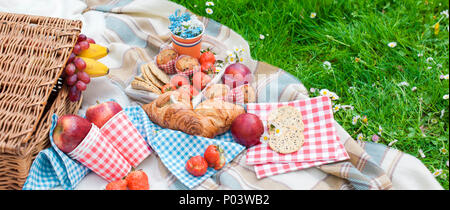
column 197, row 165
column 70, row 69
column 79, row 63
column 236, row 75
column 100, row 114
column 208, row 68
column 207, row 57
column 71, row 57
column 81, row 86
column 137, row 180
column 215, row 157
column 188, row 89
column 81, row 37
column 200, row 80
column 91, row 41
column 70, row 131
column 117, row 185
column 220, row 162
column 71, row 80
column 83, row 76
column 168, row 87
column 76, row 49
column 179, row 80
column 84, row 45
column 247, row 129
column 74, row 93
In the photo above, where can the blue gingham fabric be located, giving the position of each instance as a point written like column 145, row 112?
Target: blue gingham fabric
column 174, row 148
column 53, row 168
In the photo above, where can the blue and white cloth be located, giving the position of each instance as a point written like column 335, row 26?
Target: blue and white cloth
column 174, row 148
column 53, row 168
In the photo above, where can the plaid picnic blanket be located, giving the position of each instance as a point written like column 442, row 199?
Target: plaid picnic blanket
column 133, row 30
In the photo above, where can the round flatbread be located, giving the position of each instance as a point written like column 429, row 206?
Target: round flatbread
column 288, row 142
column 287, row 117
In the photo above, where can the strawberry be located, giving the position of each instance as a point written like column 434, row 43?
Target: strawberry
column 137, row 180
column 117, row 185
column 197, row 165
column 207, row 57
column 215, row 157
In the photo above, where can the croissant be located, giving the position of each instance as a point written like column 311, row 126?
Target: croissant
column 210, row 118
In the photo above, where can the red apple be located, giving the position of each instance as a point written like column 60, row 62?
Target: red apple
column 247, row 129
column 200, row 80
column 236, row 75
column 70, row 131
column 100, row 114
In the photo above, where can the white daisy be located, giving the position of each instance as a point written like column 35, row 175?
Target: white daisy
column 421, row 153
column 312, row 90
column 447, row 163
column 209, row 11
column 420, row 55
column 439, row 65
column 437, row 173
column 195, row 5
column 351, row 88
column 429, row 68
column 313, row 15
column 261, row 37
column 445, row 13
column 392, row 44
column 231, row 59
column 336, row 108
column 442, row 113
column 347, row 107
column 360, row 137
column 413, row 89
column 334, row 96
column 327, row 65
column 324, row 92
column 445, row 97
column 380, row 130
column 392, row 142
column 403, row 84
column 241, row 59
column 355, row 119
column 443, row 150
column 209, row 3
column 364, row 119
column 430, row 59
column 444, row 77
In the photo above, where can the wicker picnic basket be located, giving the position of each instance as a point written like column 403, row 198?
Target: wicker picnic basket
column 33, row 54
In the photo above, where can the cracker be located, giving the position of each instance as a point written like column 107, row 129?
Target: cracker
column 158, row 73
column 140, row 85
column 147, row 74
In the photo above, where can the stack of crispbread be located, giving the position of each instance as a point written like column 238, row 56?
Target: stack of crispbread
column 285, row 127
column 152, row 79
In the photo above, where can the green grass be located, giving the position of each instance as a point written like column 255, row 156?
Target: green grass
column 343, row 31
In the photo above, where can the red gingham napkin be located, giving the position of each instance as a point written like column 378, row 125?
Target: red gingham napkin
column 122, row 134
column 235, row 95
column 321, row 143
column 100, row 156
column 270, row 169
column 187, row 73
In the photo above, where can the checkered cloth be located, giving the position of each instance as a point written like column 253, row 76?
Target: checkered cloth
column 321, row 143
column 235, row 95
column 124, row 137
column 53, row 168
column 100, row 156
column 175, row 148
